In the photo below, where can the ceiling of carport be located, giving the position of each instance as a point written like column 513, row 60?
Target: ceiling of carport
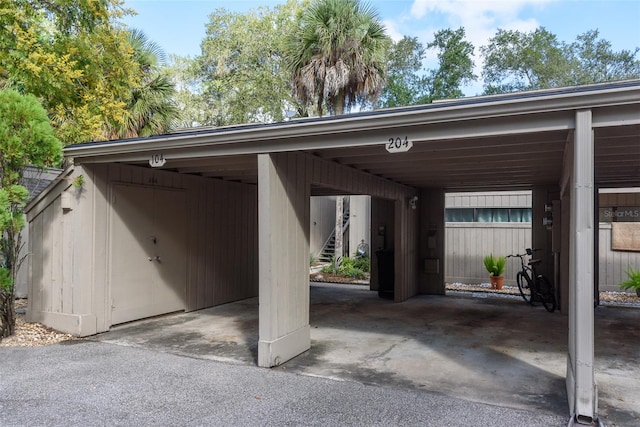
column 464, row 164
column 513, row 141
column 487, row 163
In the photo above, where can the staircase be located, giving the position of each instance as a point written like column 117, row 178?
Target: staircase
column 329, row 249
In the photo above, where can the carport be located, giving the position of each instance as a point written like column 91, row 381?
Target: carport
column 562, row 144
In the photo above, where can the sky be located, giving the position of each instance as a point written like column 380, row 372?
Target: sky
column 179, row 26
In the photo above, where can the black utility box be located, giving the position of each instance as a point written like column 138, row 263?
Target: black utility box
column 386, row 273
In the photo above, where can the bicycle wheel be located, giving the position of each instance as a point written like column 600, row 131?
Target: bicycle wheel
column 524, row 285
column 547, row 293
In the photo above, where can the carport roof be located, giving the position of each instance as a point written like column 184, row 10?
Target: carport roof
column 491, row 142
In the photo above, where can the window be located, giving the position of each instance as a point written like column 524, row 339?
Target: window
column 487, row 215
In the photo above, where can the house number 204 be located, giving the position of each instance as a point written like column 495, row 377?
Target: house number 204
column 399, row 144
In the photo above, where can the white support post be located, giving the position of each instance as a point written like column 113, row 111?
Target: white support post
column 283, row 223
column 581, row 386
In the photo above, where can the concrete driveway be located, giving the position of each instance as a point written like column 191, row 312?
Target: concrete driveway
column 497, row 351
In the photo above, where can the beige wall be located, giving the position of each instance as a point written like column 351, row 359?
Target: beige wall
column 69, row 269
column 468, row 243
column 323, row 222
column 359, row 222
column 489, row 199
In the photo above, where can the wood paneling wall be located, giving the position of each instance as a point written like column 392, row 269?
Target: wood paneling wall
column 322, row 222
column 468, row 243
column 69, row 266
column 613, row 263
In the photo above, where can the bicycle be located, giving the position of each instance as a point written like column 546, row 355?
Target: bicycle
column 531, row 283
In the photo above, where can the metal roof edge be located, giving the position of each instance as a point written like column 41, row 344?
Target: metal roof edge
column 575, row 97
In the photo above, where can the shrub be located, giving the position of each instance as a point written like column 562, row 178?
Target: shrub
column 633, row 279
column 349, row 268
column 495, row 265
column 363, row 263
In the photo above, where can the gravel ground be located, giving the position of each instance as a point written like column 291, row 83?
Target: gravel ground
column 32, row 334
column 35, row 334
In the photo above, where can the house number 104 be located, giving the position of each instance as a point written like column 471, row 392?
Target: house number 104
column 157, row 160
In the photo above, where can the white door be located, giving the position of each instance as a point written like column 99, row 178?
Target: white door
column 148, row 252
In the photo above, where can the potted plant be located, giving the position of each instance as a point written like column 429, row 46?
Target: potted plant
column 633, row 280
column 495, row 267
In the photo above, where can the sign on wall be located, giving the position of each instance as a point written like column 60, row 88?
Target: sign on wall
column 398, row 144
column 625, row 236
column 157, row 160
column 620, row 214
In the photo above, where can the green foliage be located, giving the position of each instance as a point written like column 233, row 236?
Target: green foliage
column 633, row 279
column 455, row 66
column 405, row 84
column 78, row 182
column 362, row 263
column 26, row 138
column 516, row 61
column 495, row 265
column 592, row 60
column 408, row 84
column 150, row 106
column 241, row 70
column 6, row 283
column 75, row 57
column 349, row 269
column 337, row 55
column 331, row 268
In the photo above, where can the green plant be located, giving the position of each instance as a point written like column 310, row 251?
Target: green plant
column 363, row 263
column 78, row 181
column 331, row 268
column 495, row 265
column 348, row 269
column 633, row 279
column 5, row 279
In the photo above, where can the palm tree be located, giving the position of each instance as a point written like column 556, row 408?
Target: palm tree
column 337, row 56
column 150, row 106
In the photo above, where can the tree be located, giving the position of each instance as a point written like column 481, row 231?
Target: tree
column 593, row 60
column 337, row 56
column 73, row 56
column 240, row 71
column 406, row 83
column 26, row 138
column 150, row 109
column 455, row 66
column 183, row 72
column 409, row 84
column 515, row 61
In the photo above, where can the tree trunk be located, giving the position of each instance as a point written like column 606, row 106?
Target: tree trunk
column 7, row 314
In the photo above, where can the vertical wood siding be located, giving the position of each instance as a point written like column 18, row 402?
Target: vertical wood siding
column 468, row 243
column 70, row 248
column 613, row 263
column 322, row 222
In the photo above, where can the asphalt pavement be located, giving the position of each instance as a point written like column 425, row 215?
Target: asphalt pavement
column 86, row 383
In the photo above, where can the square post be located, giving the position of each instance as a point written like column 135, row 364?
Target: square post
column 581, row 386
column 283, row 232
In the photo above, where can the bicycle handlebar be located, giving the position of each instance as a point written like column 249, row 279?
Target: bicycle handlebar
column 528, row 251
